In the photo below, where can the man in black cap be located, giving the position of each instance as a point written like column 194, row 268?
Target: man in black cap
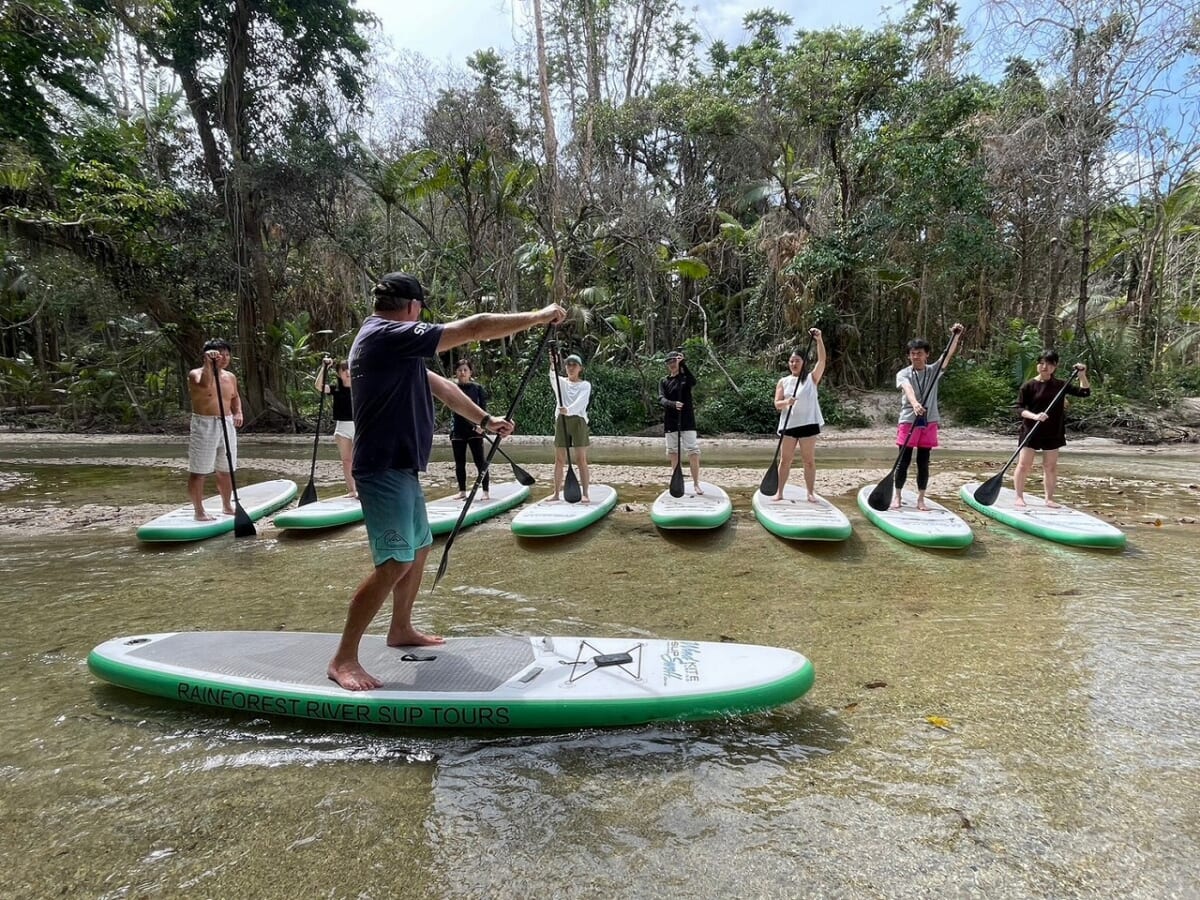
column 679, row 415
column 393, row 423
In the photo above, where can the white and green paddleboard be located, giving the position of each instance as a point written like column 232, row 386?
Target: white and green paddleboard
column 938, row 528
column 501, row 682
column 796, row 519
column 554, row 518
column 443, row 513
column 343, row 510
column 180, row 524
column 1062, row 524
column 692, row 511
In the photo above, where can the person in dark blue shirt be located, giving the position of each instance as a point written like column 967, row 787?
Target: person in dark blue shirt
column 393, row 420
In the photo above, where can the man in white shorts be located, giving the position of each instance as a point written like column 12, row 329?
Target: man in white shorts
column 206, row 440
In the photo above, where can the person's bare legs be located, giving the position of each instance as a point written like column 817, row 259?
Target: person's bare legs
column 225, row 489
column 346, row 452
column 584, row 474
column 808, row 453
column 345, row 668
column 560, row 466
column 672, row 462
column 694, row 465
column 1050, row 476
column 1024, row 467
column 195, row 489
column 401, row 632
column 787, row 452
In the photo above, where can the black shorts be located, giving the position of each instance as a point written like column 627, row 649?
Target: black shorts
column 803, row 431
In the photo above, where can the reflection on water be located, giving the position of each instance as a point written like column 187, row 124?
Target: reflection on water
column 1015, row 720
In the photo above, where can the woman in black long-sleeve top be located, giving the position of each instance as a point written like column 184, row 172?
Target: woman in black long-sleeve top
column 679, row 415
column 1035, row 404
column 465, row 434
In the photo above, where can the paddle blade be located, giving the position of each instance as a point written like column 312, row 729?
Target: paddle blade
column 309, row 495
column 770, row 480
column 242, row 526
column 987, row 492
column 881, row 498
column 571, row 491
column 676, row 487
column 521, row 475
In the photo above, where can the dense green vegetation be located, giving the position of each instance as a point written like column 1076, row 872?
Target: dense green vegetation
column 173, row 171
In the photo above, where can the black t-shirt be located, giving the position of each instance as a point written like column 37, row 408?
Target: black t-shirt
column 460, row 428
column 393, row 405
column 672, row 389
column 343, row 407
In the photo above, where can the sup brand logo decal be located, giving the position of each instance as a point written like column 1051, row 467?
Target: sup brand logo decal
column 681, row 661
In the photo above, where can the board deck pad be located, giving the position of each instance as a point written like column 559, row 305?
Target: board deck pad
column 554, row 518
column 444, row 512
column 1064, row 524
column 938, row 528
column 503, row 681
column 795, row 518
column 179, row 524
column 711, row 509
column 343, row 510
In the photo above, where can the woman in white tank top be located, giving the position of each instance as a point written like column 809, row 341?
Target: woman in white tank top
column 800, row 417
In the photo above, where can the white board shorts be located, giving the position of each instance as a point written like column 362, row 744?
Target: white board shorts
column 686, row 439
column 343, row 428
column 206, row 445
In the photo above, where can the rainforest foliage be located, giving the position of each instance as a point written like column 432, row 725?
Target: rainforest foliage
column 171, row 171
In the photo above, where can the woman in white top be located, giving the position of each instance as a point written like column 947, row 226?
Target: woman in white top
column 570, row 422
column 800, row 417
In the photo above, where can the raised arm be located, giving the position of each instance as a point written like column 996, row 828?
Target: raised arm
column 321, row 380
column 819, row 369
column 490, row 326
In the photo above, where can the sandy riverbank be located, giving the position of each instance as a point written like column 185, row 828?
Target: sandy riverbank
column 273, row 454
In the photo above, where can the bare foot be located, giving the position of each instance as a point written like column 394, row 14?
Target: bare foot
column 487, row 496
column 896, row 504
column 812, row 498
column 1019, row 503
column 1053, row 505
column 461, row 495
column 204, row 517
column 227, row 511
column 554, row 499
column 778, row 498
column 585, row 499
column 921, row 507
column 413, row 638
column 699, row 492
column 352, row 676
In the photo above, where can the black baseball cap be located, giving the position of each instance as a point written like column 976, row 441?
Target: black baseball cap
column 398, row 286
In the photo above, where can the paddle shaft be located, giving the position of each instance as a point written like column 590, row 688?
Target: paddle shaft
column 495, row 446
column 310, row 491
column 241, row 521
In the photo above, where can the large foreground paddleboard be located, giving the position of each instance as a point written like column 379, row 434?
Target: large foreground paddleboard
column 343, row 510
column 938, row 528
column 554, row 518
column 711, row 509
column 485, row 682
column 1064, row 524
column 180, row 524
column 443, row 513
column 795, row 518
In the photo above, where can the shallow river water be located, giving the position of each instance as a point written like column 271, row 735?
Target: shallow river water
column 1019, row 719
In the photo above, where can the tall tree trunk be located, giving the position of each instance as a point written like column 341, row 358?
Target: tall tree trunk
column 558, row 289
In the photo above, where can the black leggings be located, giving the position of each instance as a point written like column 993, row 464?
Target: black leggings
column 460, row 460
column 922, row 467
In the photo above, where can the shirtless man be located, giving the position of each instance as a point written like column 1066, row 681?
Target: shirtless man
column 206, row 442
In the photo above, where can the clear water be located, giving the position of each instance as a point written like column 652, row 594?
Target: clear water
column 1019, row 719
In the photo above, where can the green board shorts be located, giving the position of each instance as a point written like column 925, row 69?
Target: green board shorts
column 393, row 506
column 575, row 426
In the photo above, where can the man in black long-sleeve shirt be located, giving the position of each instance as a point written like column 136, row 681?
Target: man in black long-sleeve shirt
column 679, row 415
